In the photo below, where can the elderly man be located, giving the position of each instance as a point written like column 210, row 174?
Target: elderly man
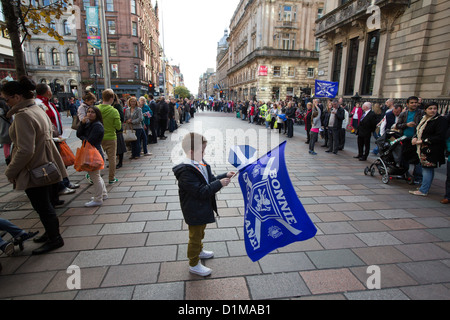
column 366, row 127
column 337, row 115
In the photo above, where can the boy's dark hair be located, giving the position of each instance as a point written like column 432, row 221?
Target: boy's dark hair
column 193, row 141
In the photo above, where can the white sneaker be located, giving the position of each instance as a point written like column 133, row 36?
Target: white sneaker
column 104, row 198
column 93, row 204
column 200, row 270
column 206, row 254
column 148, row 154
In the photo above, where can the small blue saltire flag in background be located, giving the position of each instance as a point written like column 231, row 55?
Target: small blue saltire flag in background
column 240, row 156
column 326, row 89
column 274, row 215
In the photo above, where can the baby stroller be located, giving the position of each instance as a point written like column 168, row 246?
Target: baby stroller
column 393, row 148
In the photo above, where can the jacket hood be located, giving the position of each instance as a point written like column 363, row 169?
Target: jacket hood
column 106, row 109
column 182, row 167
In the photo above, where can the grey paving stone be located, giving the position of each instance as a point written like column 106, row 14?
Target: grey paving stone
column 383, row 294
column 160, row 291
column 150, row 254
column 122, row 228
column 285, row 262
column 114, row 293
column 378, row 238
column 277, row 286
column 124, row 275
column 429, row 292
column 334, row 258
column 427, row 272
column 96, row 258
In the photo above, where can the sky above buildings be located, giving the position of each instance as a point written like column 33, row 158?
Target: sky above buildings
column 190, row 31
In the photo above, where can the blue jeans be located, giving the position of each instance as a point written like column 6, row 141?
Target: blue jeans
column 11, row 228
column 187, row 116
column 427, row 179
column 136, row 145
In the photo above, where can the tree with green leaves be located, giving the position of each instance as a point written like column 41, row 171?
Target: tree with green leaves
column 25, row 18
column 182, row 92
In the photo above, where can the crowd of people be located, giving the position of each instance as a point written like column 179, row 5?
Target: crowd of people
column 425, row 132
column 35, row 162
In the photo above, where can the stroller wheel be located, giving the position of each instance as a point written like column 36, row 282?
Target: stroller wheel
column 385, row 179
column 366, row 171
column 372, row 172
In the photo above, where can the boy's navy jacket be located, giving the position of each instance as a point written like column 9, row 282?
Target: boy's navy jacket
column 197, row 196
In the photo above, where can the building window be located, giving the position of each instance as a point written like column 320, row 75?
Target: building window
column 370, row 64
column 70, row 57
column 288, row 41
column 114, row 71
column 113, row 49
column 351, row 66
column 291, row 72
column 317, row 44
column 337, row 62
column 55, row 57
column 133, row 6
column 111, row 27
column 319, row 13
column 136, row 50
column 52, row 25
column 277, row 71
column 40, row 56
column 275, row 93
column 134, row 29
column 109, row 5
column 289, row 92
column 136, row 71
column 66, row 27
column 310, row 73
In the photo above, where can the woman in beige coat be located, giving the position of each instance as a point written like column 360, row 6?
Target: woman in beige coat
column 31, row 134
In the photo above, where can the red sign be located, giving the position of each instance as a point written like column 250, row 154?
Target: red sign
column 263, row 70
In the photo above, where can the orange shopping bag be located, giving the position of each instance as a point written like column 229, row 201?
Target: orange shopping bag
column 88, row 158
column 66, row 154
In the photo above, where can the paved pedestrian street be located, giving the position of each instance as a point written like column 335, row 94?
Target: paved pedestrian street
column 134, row 246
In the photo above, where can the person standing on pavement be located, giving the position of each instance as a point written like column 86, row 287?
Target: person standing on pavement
column 290, row 117
column 197, row 188
column 133, row 119
column 111, row 123
column 163, row 118
column 316, row 124
column 366, row 127
column 91, row 130
column 31, row 133
column 337, row 115
column 446, row 199
column 153, row 120
column 43, row 96
column 430, row 144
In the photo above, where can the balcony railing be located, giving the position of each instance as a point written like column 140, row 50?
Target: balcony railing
column 351, row 11
column 275, row 53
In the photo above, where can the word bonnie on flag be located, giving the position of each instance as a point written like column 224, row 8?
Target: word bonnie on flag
column 274, row 216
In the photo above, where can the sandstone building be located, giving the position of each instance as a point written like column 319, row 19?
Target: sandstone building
column 272, row 50
column 386, row 48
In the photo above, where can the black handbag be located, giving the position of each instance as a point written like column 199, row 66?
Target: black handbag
column 45, row 175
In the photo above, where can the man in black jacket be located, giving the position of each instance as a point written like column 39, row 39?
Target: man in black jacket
column 290, row 116
column 367, row 126
column 163, row 118
column 197, row 188
column 153, row 119
column 337, row 115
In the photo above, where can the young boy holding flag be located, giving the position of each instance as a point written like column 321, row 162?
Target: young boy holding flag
column 197, row 189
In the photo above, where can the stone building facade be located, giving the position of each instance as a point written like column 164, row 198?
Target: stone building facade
column 272, row 49
column 389, row 49
column 134, row 51
column 49, row 62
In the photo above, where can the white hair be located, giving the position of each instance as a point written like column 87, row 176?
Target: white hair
column 368, row 104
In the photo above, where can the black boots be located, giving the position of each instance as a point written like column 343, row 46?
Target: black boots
column 49, row 245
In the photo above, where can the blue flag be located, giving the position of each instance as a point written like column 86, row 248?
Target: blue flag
column 274, row 216
column 240, row 156
column 326, row 89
